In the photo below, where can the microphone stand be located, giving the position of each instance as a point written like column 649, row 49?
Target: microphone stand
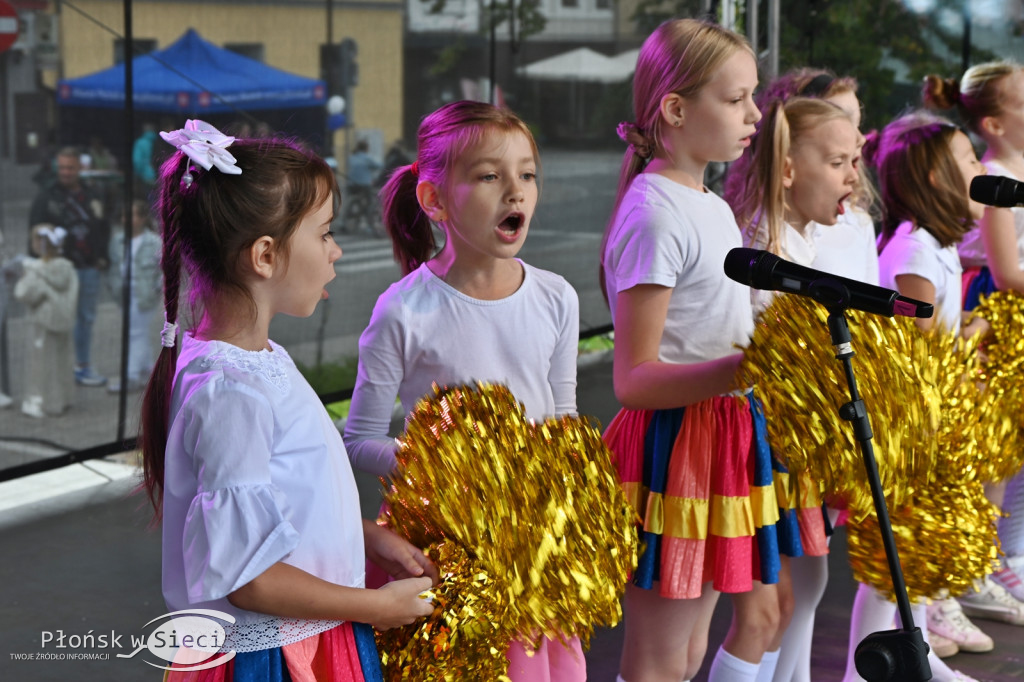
column 891, row 654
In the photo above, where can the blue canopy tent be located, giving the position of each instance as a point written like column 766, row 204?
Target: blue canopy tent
column 194, row 77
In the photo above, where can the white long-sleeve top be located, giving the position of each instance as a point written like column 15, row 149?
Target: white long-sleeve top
column 424, row 331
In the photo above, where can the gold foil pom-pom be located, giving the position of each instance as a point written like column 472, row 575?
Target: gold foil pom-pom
column 539, row 513
column 923, row 393
column 945, row 539
column 1004, row 374
column 467, row 635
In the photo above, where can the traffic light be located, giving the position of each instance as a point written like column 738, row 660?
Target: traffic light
column 338, row 67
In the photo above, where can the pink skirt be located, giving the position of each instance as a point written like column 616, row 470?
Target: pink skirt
column 346, row 653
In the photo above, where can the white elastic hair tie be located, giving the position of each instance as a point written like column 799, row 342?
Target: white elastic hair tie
column 168, row 333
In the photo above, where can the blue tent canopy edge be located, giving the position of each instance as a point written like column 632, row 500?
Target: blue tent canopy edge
column 194, row 76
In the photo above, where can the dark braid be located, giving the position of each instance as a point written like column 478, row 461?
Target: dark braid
column 156, row 402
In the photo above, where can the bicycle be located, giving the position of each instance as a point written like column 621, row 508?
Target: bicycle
column 361, row 211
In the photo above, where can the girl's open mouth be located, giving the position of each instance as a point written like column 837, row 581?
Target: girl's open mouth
column 511, row 225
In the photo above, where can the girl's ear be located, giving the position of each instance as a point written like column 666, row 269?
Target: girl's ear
column 788, row 172
column 673, row 109
column 263, row 257
column 991, row 126
column 431, row 201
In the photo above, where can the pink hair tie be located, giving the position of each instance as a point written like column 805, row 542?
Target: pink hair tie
column 634, row 136
column 415, row 169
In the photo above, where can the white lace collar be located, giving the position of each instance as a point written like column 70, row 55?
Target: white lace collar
column 270, row 365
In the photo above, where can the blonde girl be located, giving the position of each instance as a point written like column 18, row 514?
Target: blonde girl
column 691, row 453
column 248, row 473
column 801, row 174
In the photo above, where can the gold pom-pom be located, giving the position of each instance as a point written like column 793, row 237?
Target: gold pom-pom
column 923, row 393
column 547, row 534
column 945, row 538
column 467, row 630
column 1004, row 376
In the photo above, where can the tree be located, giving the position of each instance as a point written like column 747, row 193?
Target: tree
column 887, row 47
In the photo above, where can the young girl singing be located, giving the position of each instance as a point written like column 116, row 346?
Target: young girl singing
column 259, row 506
column 469, row 311
column 691, row 454
column 801, row 173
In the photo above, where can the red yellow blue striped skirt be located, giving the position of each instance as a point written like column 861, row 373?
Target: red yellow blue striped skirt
column 803, row 526
column 701, row 479
column 345, row 653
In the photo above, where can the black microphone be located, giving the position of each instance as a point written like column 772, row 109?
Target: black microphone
column 996, row 190
column 765, row 270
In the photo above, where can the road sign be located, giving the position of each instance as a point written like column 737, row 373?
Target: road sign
column 8, row 25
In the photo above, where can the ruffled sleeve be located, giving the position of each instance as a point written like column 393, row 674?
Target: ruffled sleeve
column 237, row 525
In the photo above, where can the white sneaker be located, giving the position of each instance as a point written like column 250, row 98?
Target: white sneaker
column 992, row 602
column 946, row 619
column 1011, row 576
column 942, row 647
column 5, row 401
column 33, row 407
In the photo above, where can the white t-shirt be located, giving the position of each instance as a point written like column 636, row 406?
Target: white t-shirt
column 677, row 237
column 972, row 247
column 255, row 473
column 424, row 331
column 848, row 248
column 917, row 252
column 794, row 247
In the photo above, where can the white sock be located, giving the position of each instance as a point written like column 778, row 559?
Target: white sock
column 1011, row 528
column 871, row 613
column 766, row 670
column 618, row 678
column 810, row 575
column 728, row 668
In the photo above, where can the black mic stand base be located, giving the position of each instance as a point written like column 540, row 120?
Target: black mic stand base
column 893, row 655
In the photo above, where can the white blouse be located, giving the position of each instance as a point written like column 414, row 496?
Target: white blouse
column 255, row 474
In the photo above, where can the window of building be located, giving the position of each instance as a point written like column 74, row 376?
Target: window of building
column 140, row 45
column 250, row 50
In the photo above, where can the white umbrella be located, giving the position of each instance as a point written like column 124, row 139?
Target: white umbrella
column 580, row 64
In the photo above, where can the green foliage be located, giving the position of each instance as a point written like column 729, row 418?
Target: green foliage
column 330, row 377
column 867, row 39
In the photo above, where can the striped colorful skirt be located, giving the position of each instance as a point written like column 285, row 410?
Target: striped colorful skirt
column 346, row 653
column 701, row 479
column 803, row 526
column 976, row 282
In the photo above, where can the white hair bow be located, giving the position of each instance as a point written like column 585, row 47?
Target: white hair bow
column 56, row 235
column 204, row 145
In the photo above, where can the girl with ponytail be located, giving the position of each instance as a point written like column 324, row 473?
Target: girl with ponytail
column 468, row 309
column 244, row 467
column 690, row 444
